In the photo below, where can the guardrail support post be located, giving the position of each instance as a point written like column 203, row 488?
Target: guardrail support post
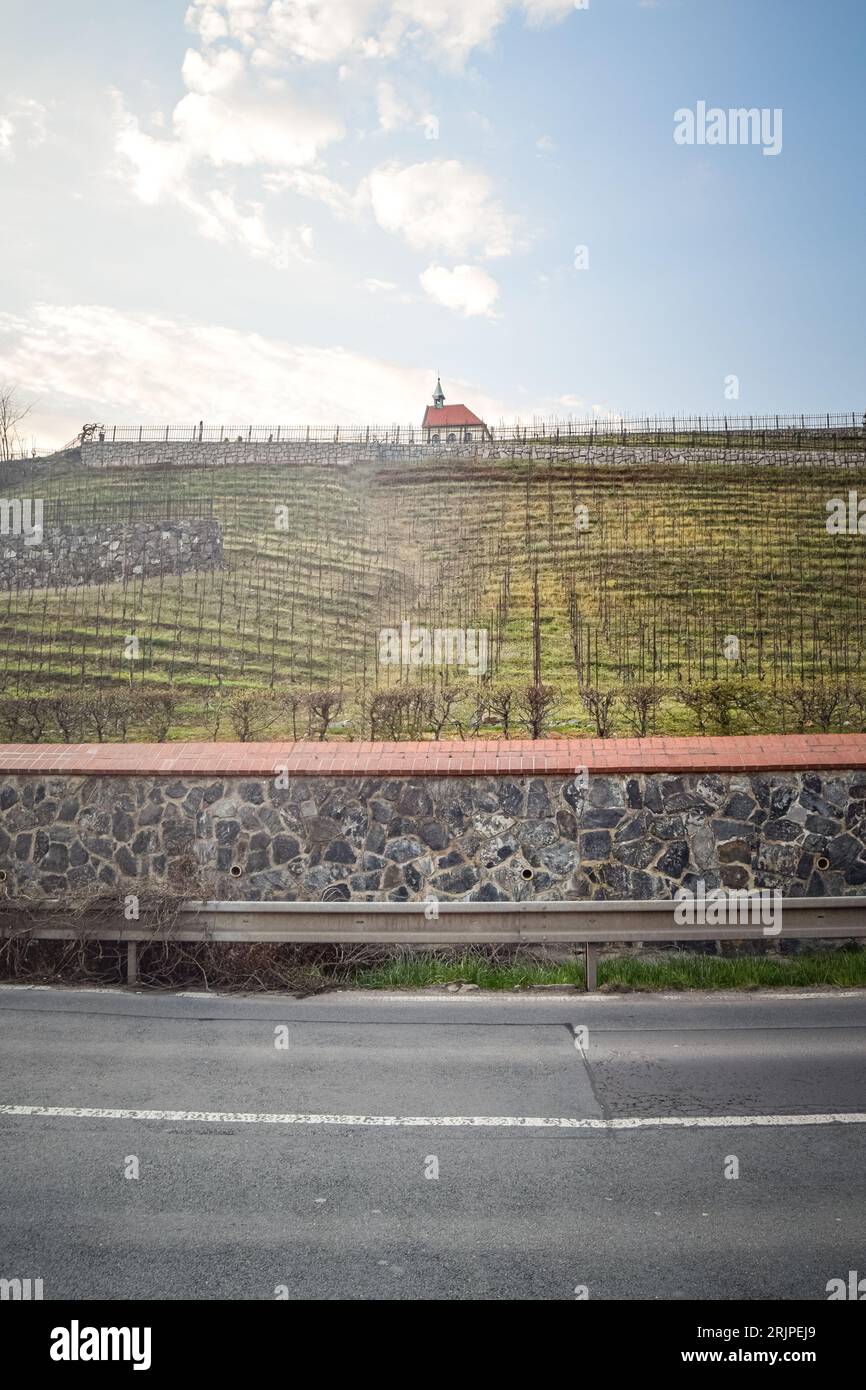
column 132, row 963
column 591, row 966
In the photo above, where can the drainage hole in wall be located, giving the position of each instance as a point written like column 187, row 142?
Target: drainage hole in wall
column 822, row 862
column 527, row 873
column 235, row 870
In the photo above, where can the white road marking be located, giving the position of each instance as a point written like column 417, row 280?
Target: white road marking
column 74, row 1112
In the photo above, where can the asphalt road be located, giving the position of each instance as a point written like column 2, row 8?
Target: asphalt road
column 351, row 1189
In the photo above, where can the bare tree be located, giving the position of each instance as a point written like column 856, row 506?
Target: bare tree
column 12, row 411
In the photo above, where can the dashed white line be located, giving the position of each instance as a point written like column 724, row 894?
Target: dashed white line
column 73, row 1112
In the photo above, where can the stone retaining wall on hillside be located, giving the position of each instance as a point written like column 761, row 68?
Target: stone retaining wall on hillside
column 77, row 555
column 518, row 828
column 231, row 454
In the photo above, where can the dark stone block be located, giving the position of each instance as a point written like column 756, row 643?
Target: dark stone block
column 594, row 818
column 400, row 825
column 376, row 837
column 227, row 831
column 735, row 852
column 804, row 865
column 734, row 876
column 56, row 861
column 414, row 800
column 634, row 829
column 675, row 859
column 633, row 794
column 8, row 797
column 640, row 885
column 537, row 801
column 458, row 881
column 510, row 798
column 413, row 877
column 784, row 830
column 285, row 848
column 178, row 837
column 339, row 852
column 433, row 833
column 252, row 793
column 402, row 850
column 780, row 799
column 52, row 884
column 126, row 862
column 739, row 806
column 733, row 830
column 842, row 851
column 595, row 844
column 81, row 876
column 23, row 846
column 122, row 826
column 339, row 892
column 449, row 860
column 821, row 825
column 487, row 893
column 637, row 854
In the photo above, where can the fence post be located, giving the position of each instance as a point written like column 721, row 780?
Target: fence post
column 592, row 950
column 131, row 963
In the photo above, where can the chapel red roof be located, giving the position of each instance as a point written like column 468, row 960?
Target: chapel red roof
column 445, row 415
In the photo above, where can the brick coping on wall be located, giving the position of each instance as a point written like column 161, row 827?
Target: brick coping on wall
column 472, row 758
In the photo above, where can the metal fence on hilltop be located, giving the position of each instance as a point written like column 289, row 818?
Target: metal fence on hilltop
column 844, row 426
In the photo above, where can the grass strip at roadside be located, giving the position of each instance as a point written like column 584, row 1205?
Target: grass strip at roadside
column 677, row 971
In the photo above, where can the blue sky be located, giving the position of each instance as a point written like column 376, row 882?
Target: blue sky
column 298, row 210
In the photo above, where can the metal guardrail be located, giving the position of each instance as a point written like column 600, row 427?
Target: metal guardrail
column 459, row 923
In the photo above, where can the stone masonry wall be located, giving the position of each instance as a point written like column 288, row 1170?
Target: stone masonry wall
column 192, row 454
column 476, row 838
column 76, row 555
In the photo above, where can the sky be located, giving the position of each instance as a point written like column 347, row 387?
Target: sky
column 301, row 211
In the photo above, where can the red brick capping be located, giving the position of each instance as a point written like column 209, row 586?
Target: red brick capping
column 450, row 758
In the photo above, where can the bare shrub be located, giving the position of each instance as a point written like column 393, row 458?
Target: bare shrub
column 640, row 705
column 599, row 705
column 535, row 704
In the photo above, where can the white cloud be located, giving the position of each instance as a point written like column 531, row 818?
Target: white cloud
column 24, row 123
column 326, row 31
column 204, row 73
column 467, row 289
column 394, row 112
column 375, row 286
column 244, row 128
column 441, row 205
column 97, row 363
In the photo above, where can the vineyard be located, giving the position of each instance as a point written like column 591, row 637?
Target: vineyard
column 668, row 597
